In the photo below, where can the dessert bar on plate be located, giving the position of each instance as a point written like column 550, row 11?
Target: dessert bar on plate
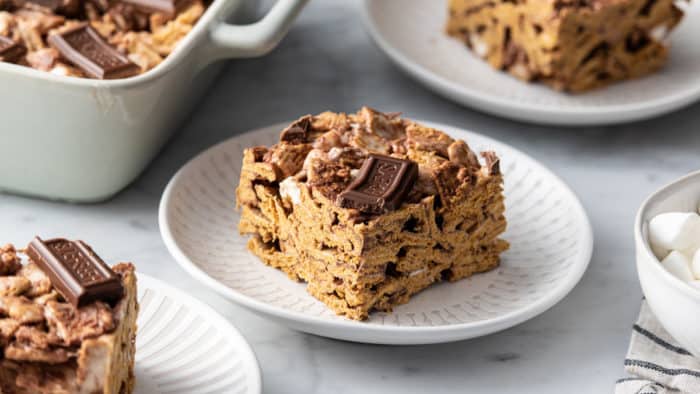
column 549, row 235
column 571, row 45
column 370, row 208
column 68, row 321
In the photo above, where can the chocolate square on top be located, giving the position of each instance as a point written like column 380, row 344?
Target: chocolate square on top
column 87, row 50
column 76, row 272
column 381, row 186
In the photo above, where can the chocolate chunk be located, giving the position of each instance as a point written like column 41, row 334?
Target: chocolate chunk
column 83, row 47
column 76, row 272
column 11, row 51
column 493, row 163
column 381, row 186
column 127, row 17
column 636, row 41
column 646, row 10
column 103, row 5
column 297, row 132
column 166, row 7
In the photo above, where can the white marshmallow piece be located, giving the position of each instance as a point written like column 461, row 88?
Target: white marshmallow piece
column 659, row 252
column 290, row 190
column 675, row 231
column 695, row 265
column 480, row 47
column 695, row 283
column 690, row 252
column 659, row 33
column 677, row 264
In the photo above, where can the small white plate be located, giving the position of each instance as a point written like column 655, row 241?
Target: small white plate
column 550, row 236
column 183, row 346
column 411, row 32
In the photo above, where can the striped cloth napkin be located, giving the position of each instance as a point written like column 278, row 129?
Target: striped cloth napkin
column 655, row 362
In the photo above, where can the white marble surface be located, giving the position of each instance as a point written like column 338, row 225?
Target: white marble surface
column 329, row 62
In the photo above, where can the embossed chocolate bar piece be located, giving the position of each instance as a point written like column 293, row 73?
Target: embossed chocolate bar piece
column 382, row 185
column 85, row 48
column 76, row 272
column 11, row 51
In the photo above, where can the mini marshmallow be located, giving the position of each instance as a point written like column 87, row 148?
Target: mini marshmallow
column 480, row 47
column 675, row 231
column 690, row 252
column 695, row 265
column 677, row 264
column 290, row 190
column 695, row 283
column 659, row 252
column 659, row 33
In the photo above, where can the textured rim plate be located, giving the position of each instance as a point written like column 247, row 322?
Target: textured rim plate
column 411, row 32
column 183, row 346
column 551, row 244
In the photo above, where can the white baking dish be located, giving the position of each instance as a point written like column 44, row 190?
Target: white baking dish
column 84, row 140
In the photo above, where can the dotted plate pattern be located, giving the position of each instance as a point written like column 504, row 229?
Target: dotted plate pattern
column 411, row 32
column 549, row 232
column 184, row 347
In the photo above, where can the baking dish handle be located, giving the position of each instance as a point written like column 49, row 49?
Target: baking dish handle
column 259, row 38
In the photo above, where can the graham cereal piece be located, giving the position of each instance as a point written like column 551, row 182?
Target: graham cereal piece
column 358, row 259
column 43, row 59
column 9, row 261
column 48, row 346
column 39, row 283
column 41, row 19
column 21, row 309
column 13, row 285
column 570, row 45
column 8, row 327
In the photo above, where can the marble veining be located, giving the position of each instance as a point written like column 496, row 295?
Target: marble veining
column 329, row 62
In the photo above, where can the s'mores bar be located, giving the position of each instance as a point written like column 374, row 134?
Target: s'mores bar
column 369, row 208
column 571, row 45
column 67, row 320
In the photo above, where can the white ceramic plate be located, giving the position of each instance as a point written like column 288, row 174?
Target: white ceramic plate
column 550, row 237
column 183, row 346
column 411, row 32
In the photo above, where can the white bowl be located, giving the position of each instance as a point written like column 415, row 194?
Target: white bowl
column 674, row 302
column 84, row 139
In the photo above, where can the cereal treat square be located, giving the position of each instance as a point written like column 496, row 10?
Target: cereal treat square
column 370, row 208
column 54, row 343
column 571, row 45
